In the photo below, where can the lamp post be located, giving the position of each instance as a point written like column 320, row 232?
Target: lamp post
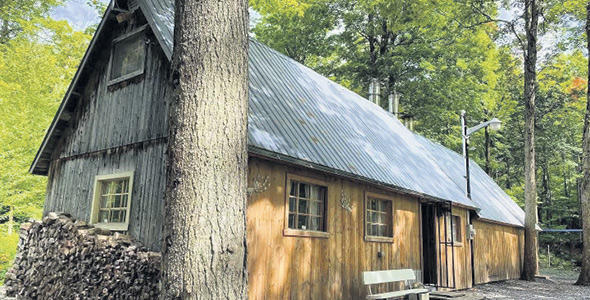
column 494, row 124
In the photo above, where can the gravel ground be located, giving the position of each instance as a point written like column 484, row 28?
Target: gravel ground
column 562, row 289
column 556, row 288
column 3, row 293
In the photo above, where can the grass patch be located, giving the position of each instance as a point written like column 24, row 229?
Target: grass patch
column 7, row 249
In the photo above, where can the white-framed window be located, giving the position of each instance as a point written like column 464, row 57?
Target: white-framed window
column 112, row 201
column 127, row 56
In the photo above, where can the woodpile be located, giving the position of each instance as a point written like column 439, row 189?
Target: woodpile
column 63, row 258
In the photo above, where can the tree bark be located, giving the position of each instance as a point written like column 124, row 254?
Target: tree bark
column 204, row 235
column 530, row 267
column 488, row 168
column 584, row 278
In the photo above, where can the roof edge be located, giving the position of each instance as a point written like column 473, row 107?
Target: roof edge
column 158, row 33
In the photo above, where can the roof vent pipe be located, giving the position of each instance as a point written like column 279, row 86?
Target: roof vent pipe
column 393, row 101
column 375, row 91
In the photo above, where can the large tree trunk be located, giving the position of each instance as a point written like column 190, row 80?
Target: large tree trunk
column 584, row 278
column 530, row 190
column 204, row 237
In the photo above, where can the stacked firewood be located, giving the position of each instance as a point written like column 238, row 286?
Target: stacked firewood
column 63, row 258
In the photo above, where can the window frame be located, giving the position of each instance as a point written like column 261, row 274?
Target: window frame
column 300, row 232
column 374, row 238
column 458, row 241
column 98, row 181
column 139, row 31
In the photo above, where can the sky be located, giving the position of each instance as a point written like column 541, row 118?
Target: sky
column 78, row 13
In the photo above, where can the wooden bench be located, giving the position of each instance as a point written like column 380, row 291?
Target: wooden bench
column 378, row 277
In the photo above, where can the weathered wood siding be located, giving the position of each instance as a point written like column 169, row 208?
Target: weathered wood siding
column 498, row 251
column 71, row 184
column 282, row 267
column 121, row 114
column 115, row 129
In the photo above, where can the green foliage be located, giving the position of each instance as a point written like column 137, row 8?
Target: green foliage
column 447, row 56
column 35, row 70
column 13, row 13
column 36, row 67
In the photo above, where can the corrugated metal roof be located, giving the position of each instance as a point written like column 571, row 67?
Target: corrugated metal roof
column 298, row 113
column 493, row 202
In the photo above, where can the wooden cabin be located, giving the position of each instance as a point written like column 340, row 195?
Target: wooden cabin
column 337, row 185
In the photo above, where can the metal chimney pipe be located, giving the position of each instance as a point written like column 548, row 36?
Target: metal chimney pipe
column 390, row 103
column 375, row 91
column 396, row 97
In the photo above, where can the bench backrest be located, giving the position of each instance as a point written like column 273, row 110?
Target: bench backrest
column 376, row 277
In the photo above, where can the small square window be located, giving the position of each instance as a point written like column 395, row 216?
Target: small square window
column 127, row 57
column 305, row 207
column 378, row 218
column 454, row 232
column 112, row 200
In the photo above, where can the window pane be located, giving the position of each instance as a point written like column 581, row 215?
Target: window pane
column 292, row 221
column 303, row 206
column 117, row 201
column 379, row 217
column 114, row 216
column 104, row 202
column 117, row 187
column 314, row 192
column 125, row 186
column 381, row 230
column 302, row 222
column 127, row 56
column 292, row 203
column 316, row 208
column 293, row 191
column 113, row 201
column 303, row 190
column 103, row 216
column 315, row 223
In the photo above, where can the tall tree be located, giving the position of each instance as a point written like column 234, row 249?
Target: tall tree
column 584, row 278
column 531, row 16
column 204, row 237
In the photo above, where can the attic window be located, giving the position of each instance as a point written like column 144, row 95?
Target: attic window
column 127, row 57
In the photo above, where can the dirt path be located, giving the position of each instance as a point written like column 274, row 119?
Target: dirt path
column 558, row 289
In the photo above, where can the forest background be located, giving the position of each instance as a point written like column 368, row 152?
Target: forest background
column 440, row 56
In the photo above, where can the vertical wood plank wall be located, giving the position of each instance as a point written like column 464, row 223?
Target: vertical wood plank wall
column 283, row 267
column 116, row 129
column 71, row 183
column 113, row 116
column 498, row 251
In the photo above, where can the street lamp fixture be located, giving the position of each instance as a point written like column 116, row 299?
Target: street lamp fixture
column 494, row 124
